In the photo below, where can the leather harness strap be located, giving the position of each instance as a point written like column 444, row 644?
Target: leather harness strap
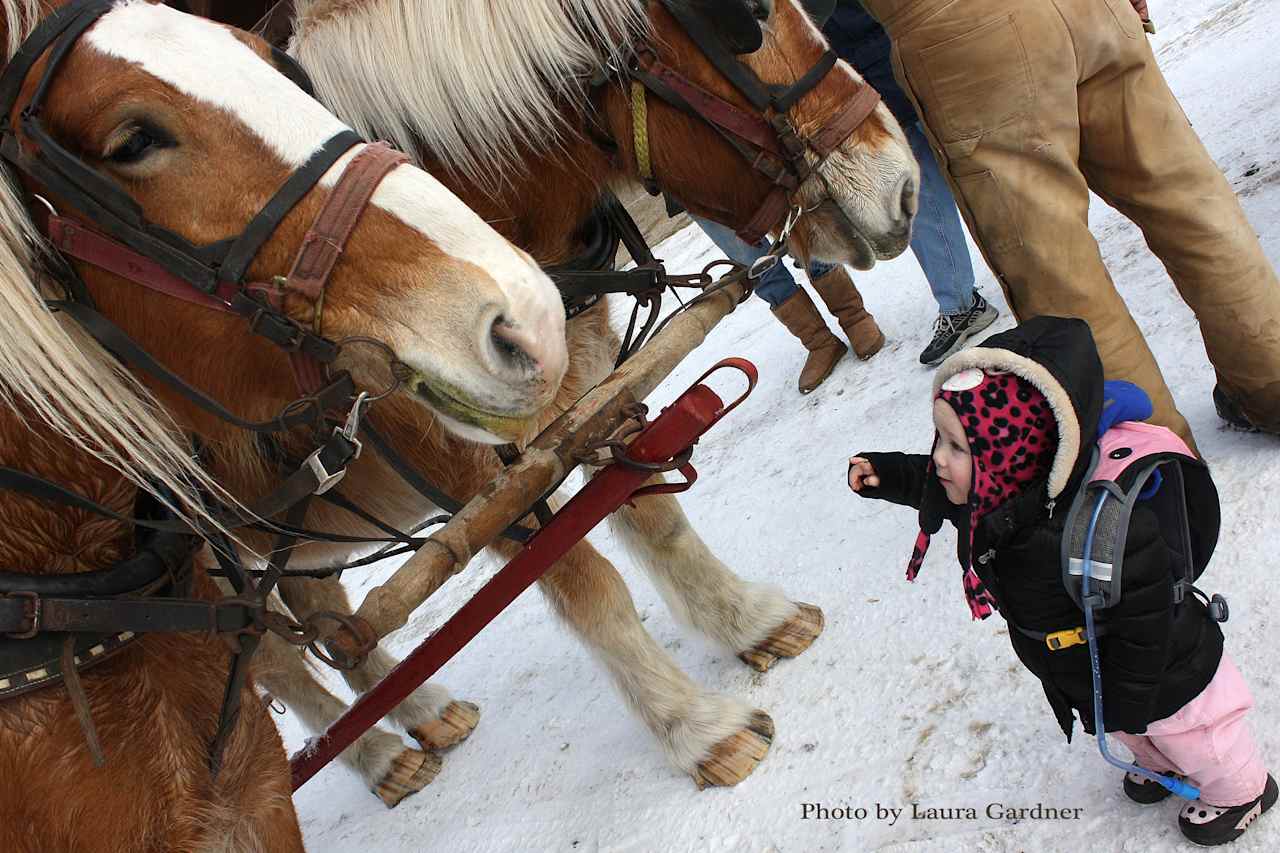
column 30, row 614
column 324, row 242
column 320, row 251
column 750, row 127
column 841, row 126
column 766, row 139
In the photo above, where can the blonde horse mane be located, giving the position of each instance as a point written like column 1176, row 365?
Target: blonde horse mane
column 478, row 83
column 50, row 369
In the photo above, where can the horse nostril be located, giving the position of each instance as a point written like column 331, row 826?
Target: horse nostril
column 515, row 347
column 909, row 200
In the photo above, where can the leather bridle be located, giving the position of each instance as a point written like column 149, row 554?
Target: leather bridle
column 765, row 137
column 119, row 239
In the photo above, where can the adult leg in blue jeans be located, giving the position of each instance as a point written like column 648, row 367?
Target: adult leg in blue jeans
column 937, row 239
column 793, row 307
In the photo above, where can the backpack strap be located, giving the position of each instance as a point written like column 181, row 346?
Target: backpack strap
column 1133, row 462
column 1059, row 640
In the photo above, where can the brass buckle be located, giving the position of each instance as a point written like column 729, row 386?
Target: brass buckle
column 36, row 607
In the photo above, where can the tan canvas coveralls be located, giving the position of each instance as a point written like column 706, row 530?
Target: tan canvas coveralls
column 1031, row 103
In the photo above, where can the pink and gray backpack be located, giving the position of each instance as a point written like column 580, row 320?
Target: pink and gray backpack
column 1139, row 463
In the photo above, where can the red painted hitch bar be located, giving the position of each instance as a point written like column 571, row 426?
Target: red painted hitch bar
column 673, row 432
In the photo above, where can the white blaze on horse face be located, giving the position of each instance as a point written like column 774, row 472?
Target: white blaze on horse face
column 205, row 61
column 874, row 189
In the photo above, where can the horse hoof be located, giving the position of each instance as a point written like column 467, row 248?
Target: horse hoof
column 455, row 723
column 733, row 758
column 787, row 640
column 410, row 772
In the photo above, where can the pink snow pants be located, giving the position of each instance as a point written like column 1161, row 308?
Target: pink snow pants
column 1207, row 740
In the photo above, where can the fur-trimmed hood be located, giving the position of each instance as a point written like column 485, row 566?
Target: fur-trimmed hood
column 1058, row 356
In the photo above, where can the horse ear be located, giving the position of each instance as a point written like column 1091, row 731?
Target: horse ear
column 733, row 22
column 819, row 10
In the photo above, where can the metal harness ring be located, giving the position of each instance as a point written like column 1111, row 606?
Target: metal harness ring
column 621, row 456
column 366, row 639
column 397, row 381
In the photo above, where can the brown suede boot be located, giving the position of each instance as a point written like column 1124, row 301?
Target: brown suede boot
column 837, row 290
column 802, row 319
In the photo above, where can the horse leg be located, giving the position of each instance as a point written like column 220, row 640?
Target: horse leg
column 757, row 621
column 392, row 770
column 717, row 739
column 430, row 715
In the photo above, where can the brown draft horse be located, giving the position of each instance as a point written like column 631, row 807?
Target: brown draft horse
column 499, row 105
column 192, row 121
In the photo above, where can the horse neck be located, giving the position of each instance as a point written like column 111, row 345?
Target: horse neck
column 42, row 538
column 542, row 208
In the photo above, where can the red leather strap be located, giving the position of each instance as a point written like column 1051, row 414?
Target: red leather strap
column 768, row 216
column 751, row 127
column 79, row 241
column 841, row 126
column 324, row 242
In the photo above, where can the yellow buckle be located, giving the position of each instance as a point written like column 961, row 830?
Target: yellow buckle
column 1059, row 640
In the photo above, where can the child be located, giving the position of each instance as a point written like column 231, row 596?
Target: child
column 1016, row 418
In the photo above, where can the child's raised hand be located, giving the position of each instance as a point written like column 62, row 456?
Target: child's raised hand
column 861, row 473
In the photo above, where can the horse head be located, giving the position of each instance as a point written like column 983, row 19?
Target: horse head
column 748, row 117
column 191, row 135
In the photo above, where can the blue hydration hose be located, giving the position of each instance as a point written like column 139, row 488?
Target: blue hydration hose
column 1175, row 786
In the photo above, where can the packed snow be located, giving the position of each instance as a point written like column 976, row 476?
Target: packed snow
column 903, row 700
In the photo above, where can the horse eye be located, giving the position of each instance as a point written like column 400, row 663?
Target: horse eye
column 140, row 141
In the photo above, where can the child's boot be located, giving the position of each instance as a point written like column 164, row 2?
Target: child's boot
column 1209, row 826
column 1140, row 789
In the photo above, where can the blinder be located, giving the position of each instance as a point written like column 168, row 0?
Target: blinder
column 731, row 22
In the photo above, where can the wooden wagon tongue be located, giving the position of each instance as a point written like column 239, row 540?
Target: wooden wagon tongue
column 664, row 444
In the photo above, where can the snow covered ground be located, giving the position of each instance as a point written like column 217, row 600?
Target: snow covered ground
column 903, row 699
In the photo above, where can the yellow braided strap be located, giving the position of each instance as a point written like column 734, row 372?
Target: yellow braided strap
column 640, row 129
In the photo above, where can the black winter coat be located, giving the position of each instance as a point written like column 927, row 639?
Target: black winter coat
column 1156, row 656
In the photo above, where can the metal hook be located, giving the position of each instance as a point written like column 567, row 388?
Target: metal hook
column 793, row 216
column 743, row 366
column 352, row 426
column 762, row 265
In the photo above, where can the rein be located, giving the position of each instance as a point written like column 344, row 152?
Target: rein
column 589, row 277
